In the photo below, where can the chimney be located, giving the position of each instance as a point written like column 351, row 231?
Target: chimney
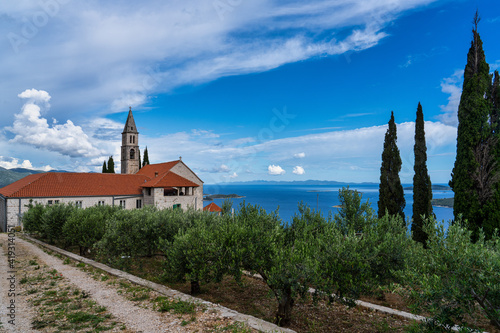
column 156, row 174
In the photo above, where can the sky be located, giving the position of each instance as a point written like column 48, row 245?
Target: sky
column 241, row 90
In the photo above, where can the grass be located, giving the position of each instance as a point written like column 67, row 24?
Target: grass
column 164, row 304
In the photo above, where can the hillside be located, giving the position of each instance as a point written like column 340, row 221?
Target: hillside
column 8, row 176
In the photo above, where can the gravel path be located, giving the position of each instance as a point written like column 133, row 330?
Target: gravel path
column 136, row 317
column 21, row 322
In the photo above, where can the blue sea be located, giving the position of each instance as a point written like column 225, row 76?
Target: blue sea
column 322, row 197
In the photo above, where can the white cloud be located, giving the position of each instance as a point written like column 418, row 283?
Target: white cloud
column 12, row 163
column 117, row 54
column 298, row 170
column 452, row 86
column 234, row 175
column 275, row 170
column 32, row 129
column 299, row 155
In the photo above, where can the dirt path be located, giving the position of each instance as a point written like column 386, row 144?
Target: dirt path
column 109, row 294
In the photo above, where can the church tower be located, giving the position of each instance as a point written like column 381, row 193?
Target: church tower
column 130, row 146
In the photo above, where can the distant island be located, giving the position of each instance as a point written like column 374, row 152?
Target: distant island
column 434, row 187
column 295, row 182
column 446, row 202
column 210, row 197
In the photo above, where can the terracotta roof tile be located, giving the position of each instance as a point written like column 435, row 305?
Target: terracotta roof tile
column 212, row 207
column 168, row 180
column 161, row 168
column 59, row 184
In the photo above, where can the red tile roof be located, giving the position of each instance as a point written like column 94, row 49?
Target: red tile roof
column 168, row 180
column 212, row 207
column 161, row 168
column 60, row 184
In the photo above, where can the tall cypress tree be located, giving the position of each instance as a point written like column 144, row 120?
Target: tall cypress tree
column 391, row 195
column 422, row 187
column 111, row 165
column 104, row 168
column 146, row 157
column 473, row 132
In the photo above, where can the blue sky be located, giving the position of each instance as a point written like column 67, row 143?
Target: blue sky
column 242, row 90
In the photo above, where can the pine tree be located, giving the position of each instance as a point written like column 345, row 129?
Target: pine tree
column 391, row 194
column 473, row 137
column 422, row 187
column 111, row 165
column 104, row 168
column 146, row 157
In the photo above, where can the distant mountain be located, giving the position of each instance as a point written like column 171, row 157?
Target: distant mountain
column 8, row 176
column 434, row 187
column 295, row 182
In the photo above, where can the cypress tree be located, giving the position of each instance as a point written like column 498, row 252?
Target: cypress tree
column 139, row 155
column 111, row 165
column 104, row 168
column 391, row 194
column 422, row 187
column 146, row 157
column 474, row 131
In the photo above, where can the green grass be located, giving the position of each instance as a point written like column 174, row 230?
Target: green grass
column 164, row 304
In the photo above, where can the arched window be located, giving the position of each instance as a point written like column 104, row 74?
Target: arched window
column 132, row 154
column 131, row 139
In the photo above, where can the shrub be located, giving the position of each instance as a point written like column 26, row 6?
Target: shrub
column 32, row 219
column 52, row 221
column 85, row 227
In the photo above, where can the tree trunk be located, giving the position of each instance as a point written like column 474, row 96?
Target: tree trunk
column 195, row 287
column 285, row 304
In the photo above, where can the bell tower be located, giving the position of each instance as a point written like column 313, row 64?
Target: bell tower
column 130, row 146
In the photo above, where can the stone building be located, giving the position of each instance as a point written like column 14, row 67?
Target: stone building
column 164, row 185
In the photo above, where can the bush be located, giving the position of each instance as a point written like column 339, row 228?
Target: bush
column 32, row 219
column 454, row 277
column 52, row 221
column 85, row 227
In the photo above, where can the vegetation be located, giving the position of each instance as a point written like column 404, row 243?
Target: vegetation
column 146, row 158
column 391, row 198
column 342, row 257
column 422, row 187
column 476, row 174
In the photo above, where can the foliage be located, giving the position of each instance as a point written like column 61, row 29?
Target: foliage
column 227, row 206
column 52, row 221
column 32, row 219
column 422, row 187
column 349, row 264
column 146, row 157
column 454, row 276
column 353, row 214
column 85, row 227
column 104, row 167
column 111, row 165
column 475, row 179
column 206, row 251
column 137, row 233
column 391, row 195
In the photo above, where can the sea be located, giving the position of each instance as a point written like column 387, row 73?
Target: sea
column 286, row 198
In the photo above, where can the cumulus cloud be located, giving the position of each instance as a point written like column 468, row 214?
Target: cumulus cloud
column 299, row 155
column 298, row 170
column 453, row 86
column 32, row 129
column 275, row 170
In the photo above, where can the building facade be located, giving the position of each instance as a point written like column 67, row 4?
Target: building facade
column 164, row 185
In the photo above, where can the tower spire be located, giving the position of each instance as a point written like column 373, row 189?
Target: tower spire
column 130, row 146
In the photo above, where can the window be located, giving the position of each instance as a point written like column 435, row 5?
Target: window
column 122, row 203
column 56, row 201
column 49, row 202
column 78, row 204
column 132, row 154
column 138, row 203
column 131, row 139
column 149, row 190
column 100, row 203
column 177, row 206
